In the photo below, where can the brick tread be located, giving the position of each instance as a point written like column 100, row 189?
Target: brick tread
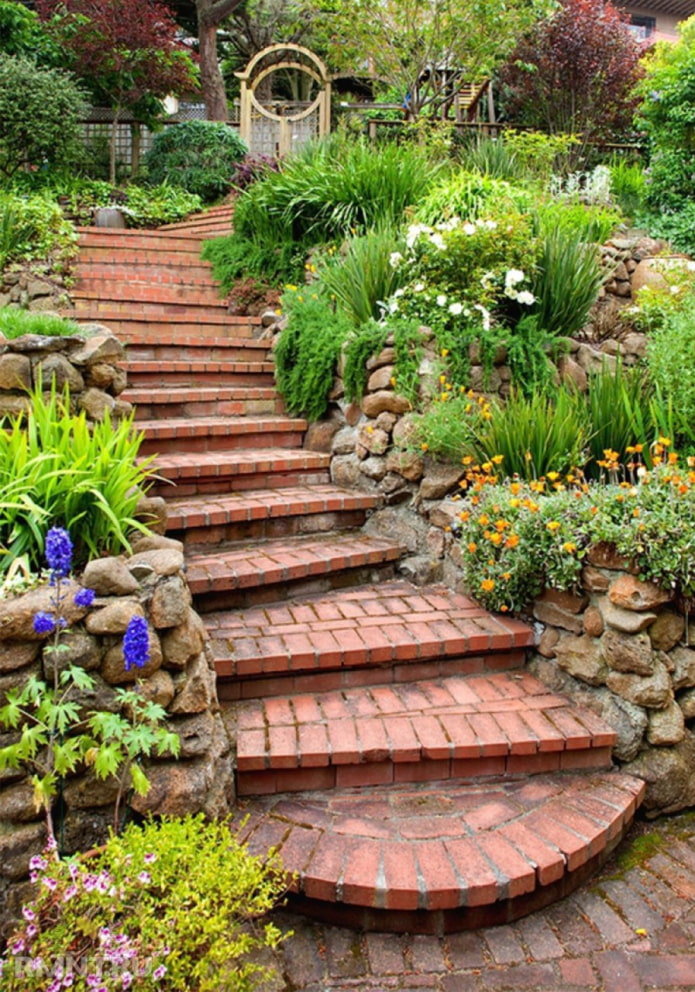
column 393, row 622
column 416, row 847
column 214, row 318
column 248, row 506
column 237, row 463
column 197, row 366
column 442, row 720
column 277, row 562
column 185, row 427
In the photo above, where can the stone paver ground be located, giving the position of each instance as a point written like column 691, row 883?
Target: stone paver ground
column 632, row 929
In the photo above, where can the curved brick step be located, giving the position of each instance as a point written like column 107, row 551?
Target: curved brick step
column 391, row 632
column 224, row 471
column 270, row 572
column 457, row 727
column 417, row 858
column 204, row 401
column 219, row 434
column 103, row 252
column 198, row 372
column 266, row 514
column 159, row 240
column 142, row 322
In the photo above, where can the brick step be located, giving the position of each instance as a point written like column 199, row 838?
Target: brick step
column 416, row 858
column 126, row 254
column 225, row 472
column 219, row 434
column 156, row 272
column 391, row 632
column 266, row 515
column 173, row 345
column 456, row 727
column 113, row 291
column 207, row 401
column 165, row 242
column 192, row 315
column 272, row 571
column 152, row 323
column 191, row 372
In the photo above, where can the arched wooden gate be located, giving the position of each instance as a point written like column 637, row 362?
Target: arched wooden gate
column 276, row 126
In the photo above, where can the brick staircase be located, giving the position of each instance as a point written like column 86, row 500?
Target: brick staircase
column 389, row 742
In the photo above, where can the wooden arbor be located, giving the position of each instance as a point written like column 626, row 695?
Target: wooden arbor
column 275, row 126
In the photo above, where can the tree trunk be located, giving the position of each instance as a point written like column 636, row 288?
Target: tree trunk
column 112, row 149
column 135, row 146
column 211, row 79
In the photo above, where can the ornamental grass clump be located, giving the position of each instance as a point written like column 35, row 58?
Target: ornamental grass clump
column 519, row 537
column 169, row 906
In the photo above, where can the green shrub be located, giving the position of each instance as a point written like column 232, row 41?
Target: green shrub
column 628, row 186
column 586, row 222
column 182, row 908
column 449, row 424
column 491, row 157
column 40, row 110
column 363, row 275
column 619, row 405
column 154, row 205
column 307, row 351
column 676, row 226
column 471, row 196
column 14, row 323
column 198, row 156
column 669, row 360
column 55, row 470
column 33, row 228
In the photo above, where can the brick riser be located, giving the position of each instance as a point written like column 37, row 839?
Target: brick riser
column 158, row 404
column 198, row 373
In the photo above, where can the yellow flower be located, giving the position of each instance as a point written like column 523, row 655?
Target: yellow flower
column 472, row 547
column 483, row 520
column 553, row 476
column 512, row 541
column 424, row 447
column 501, row 525
column 442, row 379
column 570, row 547
column 496, row 539
column 487, row 585
column 465, row 515
column 506, row 576
column 497, row 459
column 445, row 352
column 553, row 525
column 514, row 503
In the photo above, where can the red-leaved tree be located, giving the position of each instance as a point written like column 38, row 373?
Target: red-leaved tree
column 575, row 73
column 125, row 51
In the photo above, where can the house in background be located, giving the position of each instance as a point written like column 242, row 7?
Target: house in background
column 656, row 21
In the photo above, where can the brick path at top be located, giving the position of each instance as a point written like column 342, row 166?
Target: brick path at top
column 632, row 929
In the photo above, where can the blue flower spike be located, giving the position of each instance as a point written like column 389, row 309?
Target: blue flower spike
column 136, row 644
column 84, row 597
column 58, row 551
column 44, row 623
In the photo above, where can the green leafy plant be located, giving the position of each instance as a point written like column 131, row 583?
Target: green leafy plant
column 199, row 156
column 55, row 468
column 150, row 206
column 676, row 226
column 171, row 905
column 307, row 351
column 628, row 185
column 15, row 322
column 589, row 223
column 491, row 157
column 619, row 405
column 471, row 196
column 669, row 350
column 33, row 228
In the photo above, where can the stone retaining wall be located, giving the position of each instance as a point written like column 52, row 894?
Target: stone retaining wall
column 179, row 675
column 87, row 363
column 622, row 647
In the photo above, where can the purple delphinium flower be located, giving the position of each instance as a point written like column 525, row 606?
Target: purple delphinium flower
column 136, row 644
column 58, row 552
column 85, row 597
column 44, row 623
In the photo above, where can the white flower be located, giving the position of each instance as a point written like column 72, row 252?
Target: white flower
column 418, row 287
column 513, row 276
column 456, row 309
column 441, row 300
column 690, row 266
column 393, row 306
column 399, row 292
column 528, row 299
column 395, row 259
column 490, row 225
column 485, row 314
column 414, row 232
column 438, row 241
column 469, row 228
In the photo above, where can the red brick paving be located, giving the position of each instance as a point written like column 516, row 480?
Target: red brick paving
column 593, row 941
